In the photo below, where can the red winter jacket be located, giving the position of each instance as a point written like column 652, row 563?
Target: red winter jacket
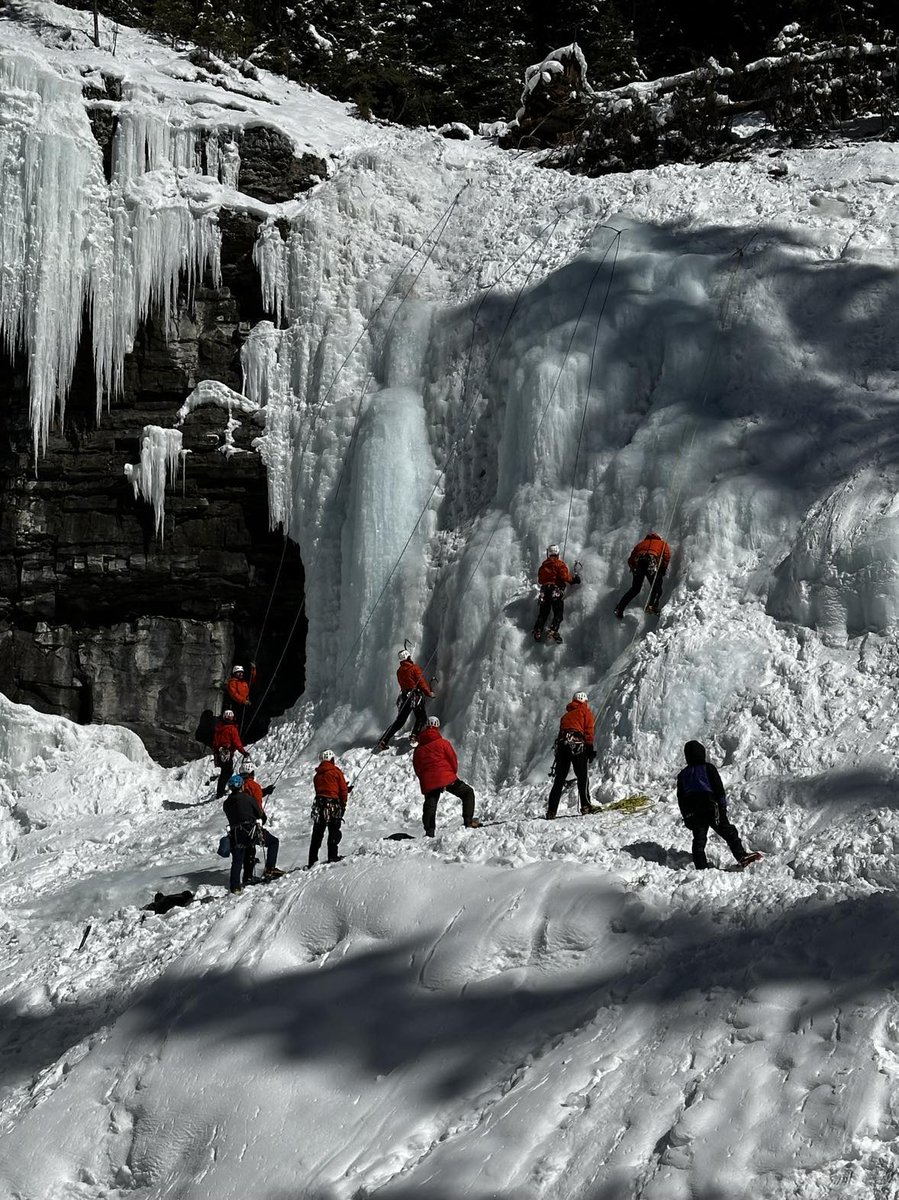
column 579, row 719
column 330, row 783
column 252, row 788
column 239, row 689
column 553, row 570
column 227, row 735
column 409, row 677
column 654, row 545
column 434, row 761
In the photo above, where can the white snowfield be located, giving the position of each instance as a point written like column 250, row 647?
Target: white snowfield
column 467, row 352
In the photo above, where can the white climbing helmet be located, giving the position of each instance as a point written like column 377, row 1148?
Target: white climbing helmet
column 552, row 550
column 434, row 722
column 237, row 669
column 327, row 755
column 247, row 770
column 228, row 714
column 582, row 696
column 404, row 655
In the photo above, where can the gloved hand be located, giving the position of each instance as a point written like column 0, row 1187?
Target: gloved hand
column 591, row 753
column 575, row 579
column 350, row 788
column 267, row 791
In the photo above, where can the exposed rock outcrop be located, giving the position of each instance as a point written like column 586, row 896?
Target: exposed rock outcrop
column 99, row 619
column 270, row 168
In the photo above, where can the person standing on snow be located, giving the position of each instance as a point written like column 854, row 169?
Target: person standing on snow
column 574, row 749
column 245, row 829
column 331, row 795
column 649, row 559
column 414, row 690
column 225, row 743
column 436, row 765
column 553, row 578
column 237, row 690
column 248, row 774
column 703, row 806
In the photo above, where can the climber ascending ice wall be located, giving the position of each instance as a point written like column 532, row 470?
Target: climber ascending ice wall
column 477, row 360
column 468, row 358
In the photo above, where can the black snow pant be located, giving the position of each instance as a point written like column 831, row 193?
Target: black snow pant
column 243, row 850
column 702, row 813
column 552, row 599
column 412, row 701
column 567, row 758
column 327, row 815
column 429, row 809
column 646, row 569
column 226, row 770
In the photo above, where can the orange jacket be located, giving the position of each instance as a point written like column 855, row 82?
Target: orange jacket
column 553, row 570
column 227, row 734
column 409, row 676
column 252, row 788
column 330, row 783
column 239, row 689
column 579, row 719
column 654, row 545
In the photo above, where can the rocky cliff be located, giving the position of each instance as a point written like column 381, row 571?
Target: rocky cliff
column 101, row 618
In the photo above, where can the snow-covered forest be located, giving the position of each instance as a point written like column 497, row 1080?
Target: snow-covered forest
column 463, row 359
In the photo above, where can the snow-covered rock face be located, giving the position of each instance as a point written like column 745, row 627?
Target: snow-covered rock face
column 841, row 576
column 579, row 386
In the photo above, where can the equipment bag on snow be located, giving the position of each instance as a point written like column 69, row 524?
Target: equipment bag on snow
column 224, row 846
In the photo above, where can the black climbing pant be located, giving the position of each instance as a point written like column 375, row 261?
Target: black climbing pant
column 552, row 599
column 646, row 569
column 429, row 810
column 704, row 812
column 329, row 816
column 411, row 701
column 566, row 759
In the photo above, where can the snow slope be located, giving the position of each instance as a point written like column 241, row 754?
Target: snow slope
column 529, row 1010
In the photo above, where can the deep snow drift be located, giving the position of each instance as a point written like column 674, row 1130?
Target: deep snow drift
column 467, row 353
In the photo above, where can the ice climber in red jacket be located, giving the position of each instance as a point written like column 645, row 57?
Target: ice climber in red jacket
column 225, row 743
column 331, row 795
column 553, row 577
column 649, row 559
column 574, row 751
column 414, row 691
column 436, row 765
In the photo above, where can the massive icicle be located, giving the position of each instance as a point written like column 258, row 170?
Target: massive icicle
column 70, row 242
column 161, row 454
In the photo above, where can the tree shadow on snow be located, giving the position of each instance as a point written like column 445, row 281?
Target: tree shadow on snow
column 838, row 792
column 377, row 1009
